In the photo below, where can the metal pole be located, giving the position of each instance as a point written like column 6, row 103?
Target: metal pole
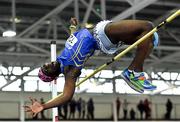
column 103, row 9
column 115, row 117
column 13, row 15
column 21, row 97
column 76, row 9
column 54, row 28
column 54, row 85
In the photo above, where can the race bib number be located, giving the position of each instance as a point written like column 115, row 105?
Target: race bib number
column 71, row 41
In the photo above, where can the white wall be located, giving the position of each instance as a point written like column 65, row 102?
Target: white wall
column 10, row 104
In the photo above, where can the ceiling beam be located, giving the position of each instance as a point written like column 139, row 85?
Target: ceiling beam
column 169, row 57
column 159, row 3
column 132, row 10
column 30, row 40
column 37, row 48
column 168, row 3
column 164, row 16
column 22, row 42
column 88, row 11
column 48, row 31
column 93, row 10
column 63, row 23
column 103, row 9
column 173, row 36
column 76, row 9
column 23, row 54
column 53, row 12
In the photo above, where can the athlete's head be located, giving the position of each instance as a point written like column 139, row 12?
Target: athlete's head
column 49, row 71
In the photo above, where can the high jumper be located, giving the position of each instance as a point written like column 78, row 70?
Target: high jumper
column 106, row 36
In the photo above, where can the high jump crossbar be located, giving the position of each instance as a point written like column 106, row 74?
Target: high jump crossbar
column 117, row 57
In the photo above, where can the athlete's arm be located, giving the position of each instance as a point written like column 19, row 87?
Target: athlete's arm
column 68, row 91
column 73, row 26
column 67, row 94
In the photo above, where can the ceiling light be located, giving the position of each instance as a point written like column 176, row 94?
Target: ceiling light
column 47, row 22
column 16, row 20
column 9, row 33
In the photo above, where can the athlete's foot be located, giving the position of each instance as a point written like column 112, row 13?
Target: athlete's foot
column 139, row 83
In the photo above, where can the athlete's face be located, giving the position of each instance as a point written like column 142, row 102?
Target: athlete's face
column 51, row 68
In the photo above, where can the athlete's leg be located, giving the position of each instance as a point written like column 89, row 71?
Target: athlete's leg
column 130, row 31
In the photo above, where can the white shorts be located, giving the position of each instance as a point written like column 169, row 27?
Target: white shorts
column 103, row 41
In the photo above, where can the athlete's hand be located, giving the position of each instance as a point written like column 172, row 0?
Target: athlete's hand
column 74, row 21
column 34, row 108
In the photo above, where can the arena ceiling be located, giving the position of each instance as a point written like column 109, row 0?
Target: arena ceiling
column 38, row 22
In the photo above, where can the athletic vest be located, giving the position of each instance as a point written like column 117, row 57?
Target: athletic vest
column 78, row 48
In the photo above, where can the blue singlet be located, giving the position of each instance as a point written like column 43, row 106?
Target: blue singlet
column 78, row 47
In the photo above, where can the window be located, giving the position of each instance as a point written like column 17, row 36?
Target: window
column 15, row 86
column 99, row 83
